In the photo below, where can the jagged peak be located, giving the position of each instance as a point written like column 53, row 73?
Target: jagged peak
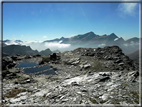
column 62, row 37
column 91, row 32
column 113, row 35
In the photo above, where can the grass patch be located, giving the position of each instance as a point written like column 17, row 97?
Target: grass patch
column 80, row 102
column 103, row 101
column 93, row 101
column 44, row 95
column 135, row 93
column 112, row 103
column 125, row 84
column 53, row 78
column 97, row 66
column 14, row 92
column 66, row 62
column 136, row 101
column 46, row 58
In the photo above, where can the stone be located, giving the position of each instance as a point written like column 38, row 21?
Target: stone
column 87, row 66
column 53, row 56
column 74, row 84
column 103, row 79
column 105, row 96
column 28, row 81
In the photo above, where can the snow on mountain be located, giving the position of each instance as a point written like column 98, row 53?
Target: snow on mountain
column 116, row 39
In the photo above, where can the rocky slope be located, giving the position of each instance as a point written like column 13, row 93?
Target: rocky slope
column 23, row 50
column 17, row 49
column 83, row 76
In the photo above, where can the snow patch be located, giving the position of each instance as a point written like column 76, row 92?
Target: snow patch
column 116, row 39
column 60, row 41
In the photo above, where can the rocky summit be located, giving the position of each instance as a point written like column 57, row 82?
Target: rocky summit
column 84, row 76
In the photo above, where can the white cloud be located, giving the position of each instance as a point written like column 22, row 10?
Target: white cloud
column 57, row 45
column 12, row 42
column 132, row 43
column 127, row 9
column 38, row 45
column 101, row 45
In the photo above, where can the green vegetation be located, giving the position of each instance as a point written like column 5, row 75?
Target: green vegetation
column 136, row 101
column 46, row 58
column 14, row 92
column 125, row 84
column 44, row 95
column 93, row 101
column 103, row 101
column 136, row 96
column 112, row 103
column 54, row 78
column 97, row 66
column 80, row 102
column 66, row 62
column 135, row 93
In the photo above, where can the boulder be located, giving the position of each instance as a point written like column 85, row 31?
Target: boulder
column 14, row 58
column 53, row 56
column 7, row 63
column 103, row 79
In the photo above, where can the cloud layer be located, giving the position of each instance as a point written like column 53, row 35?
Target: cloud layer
column 57, row 45
column 40, row 45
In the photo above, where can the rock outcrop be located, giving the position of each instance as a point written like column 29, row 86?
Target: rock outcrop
column 83, row 76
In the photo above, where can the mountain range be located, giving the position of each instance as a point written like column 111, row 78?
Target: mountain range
column 23, row 50
column 87, row 40
column 91, row 38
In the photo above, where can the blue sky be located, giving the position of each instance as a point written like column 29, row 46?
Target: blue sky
column 44, row 21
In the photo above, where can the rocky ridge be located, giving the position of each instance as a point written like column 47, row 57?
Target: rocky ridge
column 83, row 76
column 23, row 50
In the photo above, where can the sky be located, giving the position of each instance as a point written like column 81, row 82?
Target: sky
column 46, row 21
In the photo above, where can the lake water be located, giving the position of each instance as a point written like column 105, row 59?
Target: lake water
column 36, row 69
column 26, row 64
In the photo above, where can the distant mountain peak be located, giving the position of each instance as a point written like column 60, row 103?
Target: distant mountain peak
column 62, row 38
column 90, row 32
column 112, row 35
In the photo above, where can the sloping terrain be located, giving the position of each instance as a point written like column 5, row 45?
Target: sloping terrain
column 134, row 56
column 23, row 50
column 83, row 76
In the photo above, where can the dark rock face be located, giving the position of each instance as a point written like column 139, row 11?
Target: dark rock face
column 45, row 52
column 17, row 49
column 23, row 50
column 7, row 63
column 53, row 56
